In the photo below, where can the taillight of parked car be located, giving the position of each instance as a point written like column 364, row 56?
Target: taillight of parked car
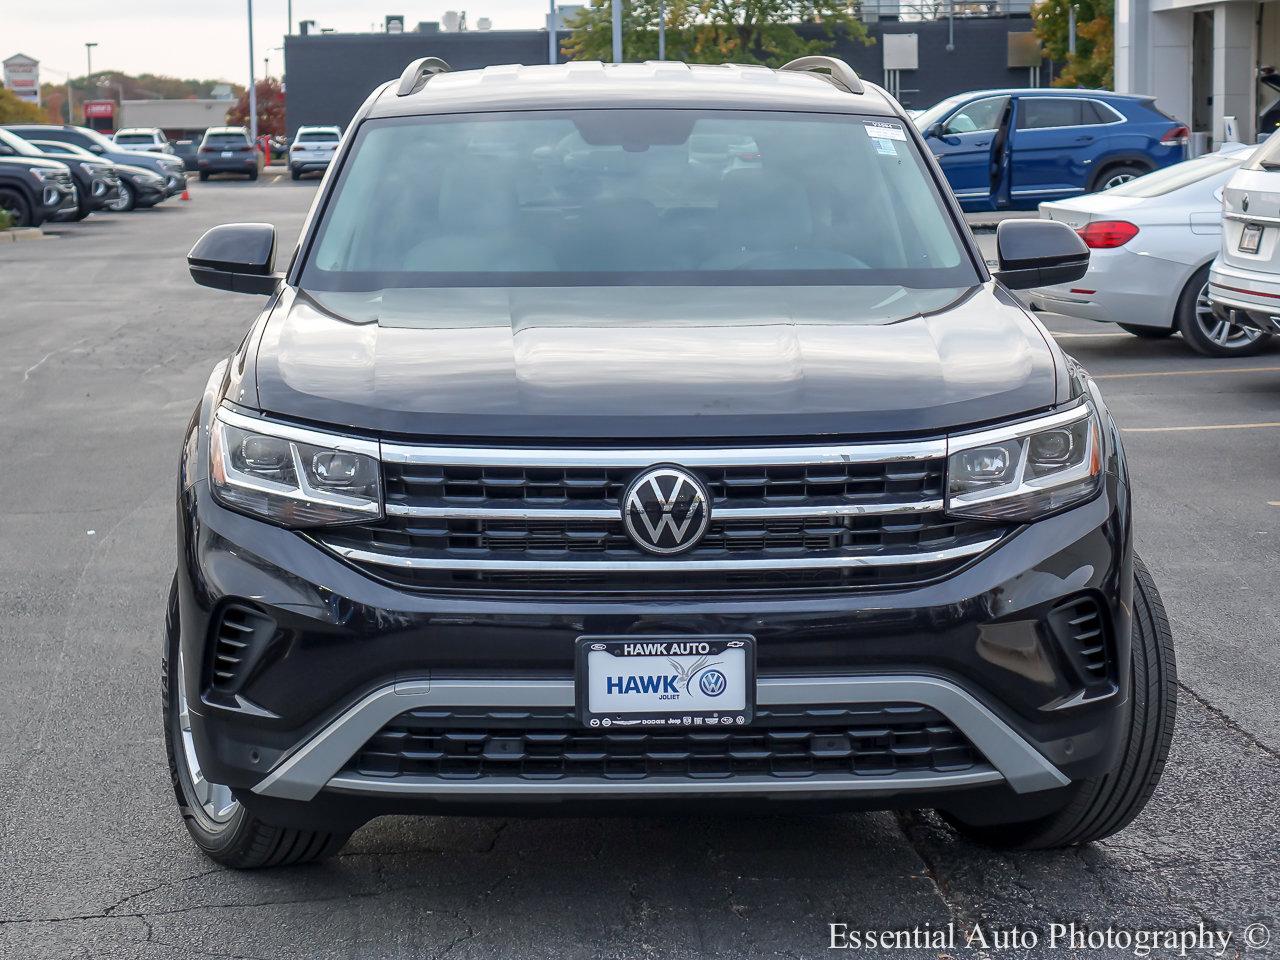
column 1107, row 234
column 1177, row 137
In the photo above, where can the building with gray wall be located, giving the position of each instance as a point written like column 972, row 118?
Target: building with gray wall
column 330, row 74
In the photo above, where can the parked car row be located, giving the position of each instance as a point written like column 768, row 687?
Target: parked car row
column 1152, row 241
column 61, row 172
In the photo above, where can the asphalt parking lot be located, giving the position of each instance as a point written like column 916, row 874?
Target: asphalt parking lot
column 107, row 344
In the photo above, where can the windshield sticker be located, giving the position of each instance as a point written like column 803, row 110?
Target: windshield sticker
column 885, row 131
column 884, row 147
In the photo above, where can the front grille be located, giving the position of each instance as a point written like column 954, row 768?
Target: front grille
column 783, row 742
column 829, row 517
column 833, row 485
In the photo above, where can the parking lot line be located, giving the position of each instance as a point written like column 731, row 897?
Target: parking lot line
column 1066, row 335
column 1184, row 373
column 1213, row 426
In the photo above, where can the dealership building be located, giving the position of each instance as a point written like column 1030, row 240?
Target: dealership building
column 921, row 54
column 1200, row 60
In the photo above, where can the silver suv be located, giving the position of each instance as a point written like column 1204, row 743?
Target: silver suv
column 312, row 149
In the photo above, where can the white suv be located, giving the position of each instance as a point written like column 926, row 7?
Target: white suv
column 312, row 149
column 143, row 138
column 1244, row 281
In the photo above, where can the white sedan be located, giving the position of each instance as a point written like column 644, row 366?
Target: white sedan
column 1151, row 243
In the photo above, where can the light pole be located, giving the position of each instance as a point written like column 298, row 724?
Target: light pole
column 1071, row 29
column 617, row 30
column 553, row 55
column 662, row 30
column 88, row 61
column 253, row 94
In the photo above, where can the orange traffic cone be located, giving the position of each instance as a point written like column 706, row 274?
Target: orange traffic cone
column 186, row 195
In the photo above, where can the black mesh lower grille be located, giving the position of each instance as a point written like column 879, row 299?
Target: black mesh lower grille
column 786, row 743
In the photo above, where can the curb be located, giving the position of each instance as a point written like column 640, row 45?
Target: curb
column 16, row 234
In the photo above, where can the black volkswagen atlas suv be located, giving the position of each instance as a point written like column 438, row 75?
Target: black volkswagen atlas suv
column 651, row 437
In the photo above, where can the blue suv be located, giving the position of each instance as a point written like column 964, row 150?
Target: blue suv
column 1013, row 149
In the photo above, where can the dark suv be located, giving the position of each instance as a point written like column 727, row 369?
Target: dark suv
column 563, row 472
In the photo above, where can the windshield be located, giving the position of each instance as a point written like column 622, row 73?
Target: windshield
column 1179, row 175
column 132, row 138
column 668, row 197
column 934, row 114
column 318, row 136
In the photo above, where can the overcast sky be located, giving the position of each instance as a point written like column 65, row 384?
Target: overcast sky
column 208, row 39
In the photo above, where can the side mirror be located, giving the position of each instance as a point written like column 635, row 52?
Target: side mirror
column 97, row 148
column 935, row 131
column 236, row 256
column 1039, row 253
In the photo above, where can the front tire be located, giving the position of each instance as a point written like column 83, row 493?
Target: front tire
column 15, row 204
column 220, row 825
column 1204, row 332
column 1103, row 805
column 125, row 202
column 204, row 176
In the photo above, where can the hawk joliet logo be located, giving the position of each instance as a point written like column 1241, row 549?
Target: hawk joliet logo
column 666, row 509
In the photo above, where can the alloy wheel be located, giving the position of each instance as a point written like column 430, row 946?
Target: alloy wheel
column 1222, row 332
column 1116, row 180
column 215, row 800
column 121, row 202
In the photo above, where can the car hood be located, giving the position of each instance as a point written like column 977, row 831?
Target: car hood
column 34, row 162
column 677, row 363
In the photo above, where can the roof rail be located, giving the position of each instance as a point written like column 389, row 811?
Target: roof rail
column 417, row 74
column 841, row 72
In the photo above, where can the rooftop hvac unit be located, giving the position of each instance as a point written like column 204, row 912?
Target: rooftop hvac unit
column 451, row 21
column 395, row 23
column 428, row 26
column 484, row 23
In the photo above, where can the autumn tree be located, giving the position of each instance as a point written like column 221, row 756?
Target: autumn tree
column 1093, row 64
column 13, row 109
column 714, row 31
column 270, row 109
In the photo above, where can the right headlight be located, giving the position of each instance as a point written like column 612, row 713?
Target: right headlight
column 290, row 476
column 1028, row 470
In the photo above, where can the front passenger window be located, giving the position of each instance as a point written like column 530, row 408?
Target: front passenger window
column 979, row 115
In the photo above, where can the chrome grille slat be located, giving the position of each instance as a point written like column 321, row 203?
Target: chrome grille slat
column 800, row 517
column 812, row 561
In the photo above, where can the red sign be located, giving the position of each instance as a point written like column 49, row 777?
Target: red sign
column 99, row 109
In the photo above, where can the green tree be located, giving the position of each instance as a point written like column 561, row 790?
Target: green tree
column 1093, row 64
column 714, row 31
column 13, row 109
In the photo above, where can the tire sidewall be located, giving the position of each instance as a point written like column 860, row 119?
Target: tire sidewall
column 211, row 836
column 20, row 203
column 1189, row 326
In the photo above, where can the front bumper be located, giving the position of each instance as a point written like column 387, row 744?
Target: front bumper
column 352, row 653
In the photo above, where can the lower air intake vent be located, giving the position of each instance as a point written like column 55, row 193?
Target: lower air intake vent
column 1080, row 625
column 241, row 636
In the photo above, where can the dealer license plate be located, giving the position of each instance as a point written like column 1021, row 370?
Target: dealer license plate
column 665, row 681
column 1250, row 238
column 226, row 153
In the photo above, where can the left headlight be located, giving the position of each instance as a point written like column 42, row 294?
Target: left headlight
column 1028, row 470
column 45, row 173
column 292, row 477
column 93, row 169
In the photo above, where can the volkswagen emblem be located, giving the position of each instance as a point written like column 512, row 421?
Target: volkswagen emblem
column 666, row 509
